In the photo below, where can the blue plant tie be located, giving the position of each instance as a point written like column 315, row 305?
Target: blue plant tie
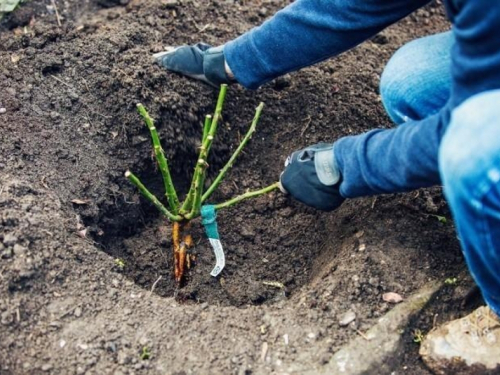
column 209, row 221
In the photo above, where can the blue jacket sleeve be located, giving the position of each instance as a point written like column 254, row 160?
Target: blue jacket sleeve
column 405, row 158
column 309, row 31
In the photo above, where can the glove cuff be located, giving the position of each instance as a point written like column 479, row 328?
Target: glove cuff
column 214, row 66
column 326, row 168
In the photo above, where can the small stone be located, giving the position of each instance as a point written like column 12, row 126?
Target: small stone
column 9, row 239
column 247, row 233
column 111, row 346
column 263, row 12
column 3, row 110
column 353, row 325
column 54, row 115
column 123, row 358
column 139, row 366
column 47, row 367
column 19, row 250
column 138, row 139
column 170, row 3
column 73, row 96
column 347, row 318
column 392, row 297
column 282, row 83
column 286, row 212
column 204, row 306
column 78, row 312
column 359, row 234
column 7, row 253
column 62, row 344
column 6, row 318
column 374, row 281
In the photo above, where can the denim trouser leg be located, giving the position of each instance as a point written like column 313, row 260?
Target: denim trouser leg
column 417, row 79
column 469, row 161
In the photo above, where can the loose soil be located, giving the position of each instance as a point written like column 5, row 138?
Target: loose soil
column 69, row 132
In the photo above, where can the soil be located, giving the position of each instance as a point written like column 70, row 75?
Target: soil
column 69, row 132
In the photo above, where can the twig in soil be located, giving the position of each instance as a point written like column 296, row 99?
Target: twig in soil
column 61, row 81
column 362, row 335
column 58, row 17
column 201, row 29
column 154, row 286
column 275, row 284
column 306, row 126
column 181, row 214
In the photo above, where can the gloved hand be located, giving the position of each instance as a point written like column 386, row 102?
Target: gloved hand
column 312, row 177
column 200, row 61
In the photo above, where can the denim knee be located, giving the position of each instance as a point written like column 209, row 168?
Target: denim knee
column 417, row 79
column 469, row 154
column 469, row 162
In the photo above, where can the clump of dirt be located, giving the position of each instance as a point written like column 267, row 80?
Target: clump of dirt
column 70, row 130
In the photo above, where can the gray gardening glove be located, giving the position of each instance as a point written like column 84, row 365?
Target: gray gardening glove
column 200, row 61
column 312, row 177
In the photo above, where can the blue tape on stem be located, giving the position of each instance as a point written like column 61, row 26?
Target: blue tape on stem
column 209, row 220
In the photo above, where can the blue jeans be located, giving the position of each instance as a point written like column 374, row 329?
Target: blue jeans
column 416, row 84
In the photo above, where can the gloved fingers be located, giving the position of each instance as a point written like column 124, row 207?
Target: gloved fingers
column 157, row 57
column 186, row 60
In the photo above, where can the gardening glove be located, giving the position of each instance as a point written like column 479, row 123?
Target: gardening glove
column 312, row 177
column 200, row 61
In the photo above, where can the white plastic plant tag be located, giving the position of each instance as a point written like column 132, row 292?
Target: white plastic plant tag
column 220, row 258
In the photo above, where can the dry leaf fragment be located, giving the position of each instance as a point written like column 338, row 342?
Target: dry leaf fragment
column 392, row 297
column 82, row 233
column 79, row 201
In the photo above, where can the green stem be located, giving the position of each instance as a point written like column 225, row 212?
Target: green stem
column 206, row 127
column 149, row 196
column 187, row 207
column 200, row 181
column 171, row 194
column 247, row 195
column 236, row 153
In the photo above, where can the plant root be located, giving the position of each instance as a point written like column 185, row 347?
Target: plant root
column 182, row 260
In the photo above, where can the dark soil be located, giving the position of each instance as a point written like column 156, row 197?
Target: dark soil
column 70, row 130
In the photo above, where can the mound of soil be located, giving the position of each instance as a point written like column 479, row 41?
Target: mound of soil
column 70, row 130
